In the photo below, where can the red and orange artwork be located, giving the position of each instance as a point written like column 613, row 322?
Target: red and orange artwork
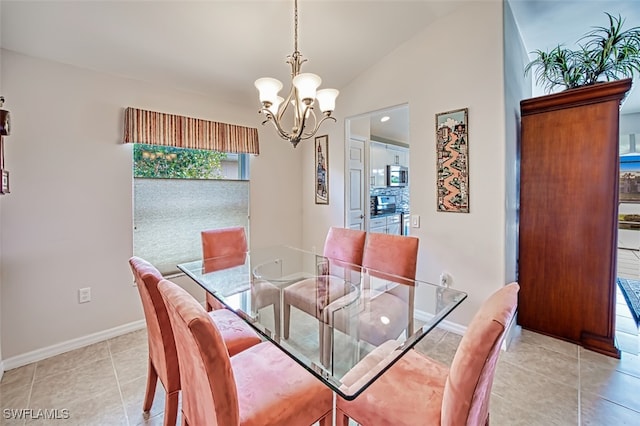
column 452, row 161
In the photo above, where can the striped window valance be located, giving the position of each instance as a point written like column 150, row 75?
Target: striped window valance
column 157, row 128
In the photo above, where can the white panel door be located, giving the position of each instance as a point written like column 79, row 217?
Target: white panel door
column 356, row 197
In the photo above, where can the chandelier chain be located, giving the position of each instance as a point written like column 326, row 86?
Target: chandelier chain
column 295, row 27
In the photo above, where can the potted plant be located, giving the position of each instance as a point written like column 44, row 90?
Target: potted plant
column 604, row 54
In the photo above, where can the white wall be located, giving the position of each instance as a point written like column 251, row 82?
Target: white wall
column 630, row 123
column 67, row 223
column 455, row 63
column 517, row 88
column 1, row 357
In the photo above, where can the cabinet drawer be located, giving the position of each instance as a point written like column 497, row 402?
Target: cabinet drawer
column 378, row 222
column 393, row 219
column 378, row 230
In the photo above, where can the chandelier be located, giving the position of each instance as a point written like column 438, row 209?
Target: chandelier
column 299, row 104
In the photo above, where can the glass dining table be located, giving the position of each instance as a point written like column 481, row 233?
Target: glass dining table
column 361, row 322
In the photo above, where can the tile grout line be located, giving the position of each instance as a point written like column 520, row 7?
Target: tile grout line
column 579, row 388
column 113, row 365
column 33, row 380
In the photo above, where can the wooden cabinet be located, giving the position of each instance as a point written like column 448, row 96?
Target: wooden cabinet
column 383, row 154
column 397, row 155
column 394, row 224
column 391, row 224
column 378, row 164
column 378, row 225
column 569, row 177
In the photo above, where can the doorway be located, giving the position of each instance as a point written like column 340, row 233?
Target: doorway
column 378, row 146
column 628, row 256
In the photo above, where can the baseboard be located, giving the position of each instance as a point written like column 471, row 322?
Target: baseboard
column 1, row 370
column 69, row 345
column 444, row 324
column 80, row 342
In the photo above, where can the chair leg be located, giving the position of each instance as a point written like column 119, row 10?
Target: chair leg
column 341, row 418
column 212, row 304
column 326, row 420
column 276, row 316
column 171, row 409
column 152, row 380
column 287, row 319
column 326, row 345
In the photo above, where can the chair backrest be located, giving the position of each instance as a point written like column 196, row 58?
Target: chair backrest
column 224, row 241
column 391, row 254
column 162, row 348
column 209, row 394
column 344, row 244
column 344, row 248
column 223, row 248
column 468, row 386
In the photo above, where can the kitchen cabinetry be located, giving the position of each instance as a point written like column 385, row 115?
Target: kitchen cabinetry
column 390, row 224
column 397, row 155
column 381, row 155
column 377, row 162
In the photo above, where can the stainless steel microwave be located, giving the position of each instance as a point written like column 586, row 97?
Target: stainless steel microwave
column 397, row 176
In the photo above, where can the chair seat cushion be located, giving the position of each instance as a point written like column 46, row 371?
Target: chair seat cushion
column 237, row 334
column 272, row 387
column 413, row 374
column 314, row 294
column 381, row 316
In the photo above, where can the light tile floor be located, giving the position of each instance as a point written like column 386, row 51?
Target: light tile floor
column 539, row 381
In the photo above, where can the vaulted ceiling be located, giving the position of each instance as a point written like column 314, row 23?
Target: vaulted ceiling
column 220, row 47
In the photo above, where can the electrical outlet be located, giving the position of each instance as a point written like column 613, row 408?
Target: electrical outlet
column 446, row 280
column 84, row 295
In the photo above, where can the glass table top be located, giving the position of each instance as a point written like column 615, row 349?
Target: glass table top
column 326, row 314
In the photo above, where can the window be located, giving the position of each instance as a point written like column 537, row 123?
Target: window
column 178, row 193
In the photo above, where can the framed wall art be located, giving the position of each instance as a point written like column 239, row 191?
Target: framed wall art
column 322, row 169
column 4, row 188
column 452, row 142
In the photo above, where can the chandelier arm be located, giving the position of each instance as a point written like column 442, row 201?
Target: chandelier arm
column 308, row 134
column 308, row 110
column 285, row 105
column 317, row 127
column 270, row 118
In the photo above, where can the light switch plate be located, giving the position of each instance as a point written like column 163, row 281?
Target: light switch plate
column 415, row 221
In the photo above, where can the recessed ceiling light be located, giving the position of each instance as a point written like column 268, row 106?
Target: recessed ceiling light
column 385, row 118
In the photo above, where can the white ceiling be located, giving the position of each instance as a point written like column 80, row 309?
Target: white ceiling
column 220, row 47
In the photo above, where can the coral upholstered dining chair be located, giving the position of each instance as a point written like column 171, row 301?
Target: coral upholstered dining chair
column 259, row 387
column 453, row 396
column 231, row 243
column 163, row 359
column 387, row 258
column 343, row 248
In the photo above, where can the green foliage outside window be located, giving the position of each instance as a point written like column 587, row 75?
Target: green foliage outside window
column 157, row 161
